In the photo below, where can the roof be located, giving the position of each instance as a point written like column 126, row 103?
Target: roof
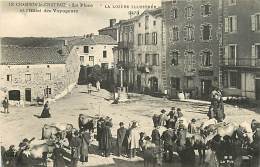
column 94, row 40
column 32, row 50
column 16, row 55
column 155, row 12
column 110, row 28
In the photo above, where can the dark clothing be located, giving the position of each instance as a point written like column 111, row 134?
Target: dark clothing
column 75, row 150
column 9, row 158
column 58, row 160
column 5, row 103
column 100, row 125
column 46, row 111
column 171, row 123
column 22, row 160
column 121, row 133
column 187, row 156
column 156, row 120
column 85, row 140
column 168, row 138
column 156, row 137
column 107, row 140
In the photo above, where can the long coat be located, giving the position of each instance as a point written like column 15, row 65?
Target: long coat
column 85, row 140
column 133, row 139
column 121, row 133
column 107, row 138
column 58, row 160
column 75, row 144
column 156, row 137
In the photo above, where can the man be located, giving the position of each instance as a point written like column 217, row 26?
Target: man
column 57, row 155
column 180, row 120
column 85, row 140
column 192, row 126
column 171, row 122
column 163, row 118
column 9, row 157
column 75, row 149
column 5, row 105
column 107, row 138
column 23, row 158
column 98, row 85
column 121, row 133
column 133, row 140
column 168, row 138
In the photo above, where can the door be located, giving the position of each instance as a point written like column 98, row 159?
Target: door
column 205, row 88
column 257, row 89
column 28, row 94
column 154, row 84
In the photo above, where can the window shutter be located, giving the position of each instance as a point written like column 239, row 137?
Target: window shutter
column 157, row 62
column 226, row 55
column 202, row 9
column 253, row 55
column 234, row 23
column 226, row 24
column 253, row 22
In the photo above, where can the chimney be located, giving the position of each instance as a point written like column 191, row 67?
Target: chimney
column 112, row 22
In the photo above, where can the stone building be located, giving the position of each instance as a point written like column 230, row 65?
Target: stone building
column 192, row 53
column 148, row 51
column 37, row 67
column 240, row 48
column 112, row 30
column 95, row 50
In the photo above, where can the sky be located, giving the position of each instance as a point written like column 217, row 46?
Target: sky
column 17, row 23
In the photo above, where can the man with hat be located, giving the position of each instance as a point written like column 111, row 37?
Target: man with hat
column 23, row 158
column 75, row 149
column 107, row 138
column 133, row 140
column 156, row 136
column 192, row 126
column 121, row 133
column 57, row 155
column 163, row 118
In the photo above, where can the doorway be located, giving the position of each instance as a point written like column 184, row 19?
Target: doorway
column 153, row 84
column 257, row 89
column 205, row 88
column 14, row 95
column 28, row 94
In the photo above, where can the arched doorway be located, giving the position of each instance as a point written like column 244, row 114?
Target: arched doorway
column 153, row 84
column 14, row 95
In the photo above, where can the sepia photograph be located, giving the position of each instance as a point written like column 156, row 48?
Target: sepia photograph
column 130, row 83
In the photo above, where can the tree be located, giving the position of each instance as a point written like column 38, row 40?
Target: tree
column 95, row 74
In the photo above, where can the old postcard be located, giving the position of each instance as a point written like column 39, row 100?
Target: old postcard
column 130, row 83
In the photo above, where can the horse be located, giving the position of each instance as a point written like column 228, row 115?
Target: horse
column 51, row 131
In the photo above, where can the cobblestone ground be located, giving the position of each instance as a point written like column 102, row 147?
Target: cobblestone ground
column 23, row 122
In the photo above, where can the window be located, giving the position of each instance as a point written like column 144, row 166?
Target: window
column 234, row 79
column 139, row 39
column 47, row 91
column 104, row 54
column 139, row 59
column 147, row 59
column 91, row 58
column 206, row 58
column 146, row 39
column 231, row 24
column 146, row 22
column 175, row 58
column 86, row 49
column 232, row 51
column 174, row 13
column 174, row 33
column 104, row 66
column 48, row 76
column 189, row 57
column 206, row 10
column 257, row 51
column 155, row 60
column 188, row 12
column 206, row 32
column 81, row 58
column 232, row 2
column 230, row 54
column 255, row 20
column 28, row 77
column 154, row 38
column 9, row 78
column 154, row 23
column 175, row 83
column 189, row 33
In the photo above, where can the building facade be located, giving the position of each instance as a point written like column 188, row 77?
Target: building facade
column 37, row 67
column 148, row 51
column 192, row 53
column 112, row 30
column 240, row 48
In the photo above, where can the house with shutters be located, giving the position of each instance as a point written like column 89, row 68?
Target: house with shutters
column 192, row 52
column 32, row 68
column 240, row 48
column 149, row 51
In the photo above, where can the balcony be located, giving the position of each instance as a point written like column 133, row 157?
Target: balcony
column 144, row 68
column 125, row 44
column 241, row 62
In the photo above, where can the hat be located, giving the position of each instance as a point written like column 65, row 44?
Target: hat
column 121, row 123
column 23, row 145
column 147, row 138
column 172, row 108
column 163, row 111
column 193, row 120
column 134, row 124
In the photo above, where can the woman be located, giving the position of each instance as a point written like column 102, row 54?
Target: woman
column 85, row 140
column 46, row 111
